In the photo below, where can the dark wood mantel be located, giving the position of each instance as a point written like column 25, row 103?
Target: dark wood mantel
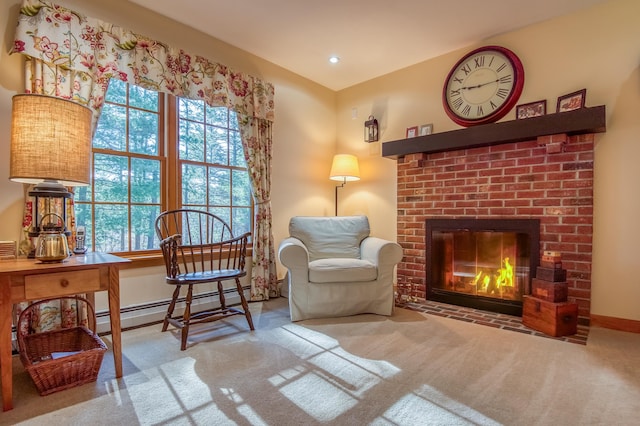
column 581, row 121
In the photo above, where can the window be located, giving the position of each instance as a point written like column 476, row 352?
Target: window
column 211, row 164
column 135, row 177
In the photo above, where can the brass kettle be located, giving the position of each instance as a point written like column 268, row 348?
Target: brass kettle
column 51, row 245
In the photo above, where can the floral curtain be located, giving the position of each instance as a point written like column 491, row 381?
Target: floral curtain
column 99, row 51
column 257, row 142
column 84, row 53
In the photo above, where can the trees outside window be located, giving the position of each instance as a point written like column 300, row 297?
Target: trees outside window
column 212, row 169
column 146, row 161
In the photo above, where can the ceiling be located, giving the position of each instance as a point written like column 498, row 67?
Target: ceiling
column 371, row 38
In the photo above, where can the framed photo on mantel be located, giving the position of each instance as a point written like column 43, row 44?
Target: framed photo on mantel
column 572, row 101
column 412, row 132
column 532, row 109
column 426, row 129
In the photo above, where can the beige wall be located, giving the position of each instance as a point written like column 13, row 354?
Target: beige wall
column 597, row 49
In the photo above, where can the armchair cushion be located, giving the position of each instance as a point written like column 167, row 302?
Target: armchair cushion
column 325, row 237
column 338, row 270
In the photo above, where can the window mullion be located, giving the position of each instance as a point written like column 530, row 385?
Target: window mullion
column 173, row 193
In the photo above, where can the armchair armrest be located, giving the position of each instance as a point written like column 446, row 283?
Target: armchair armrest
column 380, row 252
column 293, row 254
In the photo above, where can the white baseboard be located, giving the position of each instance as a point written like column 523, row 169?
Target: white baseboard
column 154, row 312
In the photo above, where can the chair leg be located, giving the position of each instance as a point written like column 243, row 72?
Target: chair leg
column 185, row 318
column 171, row 307
column 223, row 302
column 245, row 305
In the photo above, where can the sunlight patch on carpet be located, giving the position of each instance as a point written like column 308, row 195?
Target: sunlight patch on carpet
column 185, row 397
column 430, row 406
column 243, row 409
column 318, row 398
column 113, row 389
column 329, row 381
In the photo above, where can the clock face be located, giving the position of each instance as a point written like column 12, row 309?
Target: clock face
column 483, row 86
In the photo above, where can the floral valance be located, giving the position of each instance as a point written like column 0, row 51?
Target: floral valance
column 70, row 40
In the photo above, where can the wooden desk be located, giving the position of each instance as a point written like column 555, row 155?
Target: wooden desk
column 25, row 279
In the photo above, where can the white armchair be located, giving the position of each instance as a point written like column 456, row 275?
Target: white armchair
column 336, row 269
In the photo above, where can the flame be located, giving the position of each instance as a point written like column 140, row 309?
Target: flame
column 485, row 282
column 503, row 277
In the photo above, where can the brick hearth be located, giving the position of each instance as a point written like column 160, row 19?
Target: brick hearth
column 545, row 178
column 489, row 319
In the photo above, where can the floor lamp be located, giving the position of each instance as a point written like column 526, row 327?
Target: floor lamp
column 344, row 169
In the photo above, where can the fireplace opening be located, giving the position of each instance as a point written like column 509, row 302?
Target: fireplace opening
column 481, row 263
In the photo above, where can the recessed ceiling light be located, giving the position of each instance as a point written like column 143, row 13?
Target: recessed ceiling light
column 334, row 59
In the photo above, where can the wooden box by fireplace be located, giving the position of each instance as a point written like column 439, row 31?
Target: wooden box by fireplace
column 549, row 291
column 554, row 319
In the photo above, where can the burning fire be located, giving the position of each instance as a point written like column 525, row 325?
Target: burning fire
column 503, row 278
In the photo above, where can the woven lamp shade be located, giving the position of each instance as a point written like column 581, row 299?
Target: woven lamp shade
column 50, row 141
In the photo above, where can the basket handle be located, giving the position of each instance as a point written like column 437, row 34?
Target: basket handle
column 90, row 311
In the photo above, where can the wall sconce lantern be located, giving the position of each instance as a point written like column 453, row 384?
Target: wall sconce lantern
column 371, row 129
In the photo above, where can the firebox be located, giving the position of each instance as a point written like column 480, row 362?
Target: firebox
column 481, row 263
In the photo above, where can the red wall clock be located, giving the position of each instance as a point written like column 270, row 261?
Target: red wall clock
column 483, row 86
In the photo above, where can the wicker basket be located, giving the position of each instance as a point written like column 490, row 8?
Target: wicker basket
column 80, row 352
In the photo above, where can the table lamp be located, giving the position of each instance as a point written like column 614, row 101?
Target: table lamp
column 51, row 148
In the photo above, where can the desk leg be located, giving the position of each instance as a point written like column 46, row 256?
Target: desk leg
column 114, row 314
column 6, row 367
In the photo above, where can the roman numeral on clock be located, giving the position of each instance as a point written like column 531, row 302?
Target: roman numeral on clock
column 502, row 93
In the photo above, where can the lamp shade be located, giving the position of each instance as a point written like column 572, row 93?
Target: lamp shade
column 50, row 141
column 345, row 168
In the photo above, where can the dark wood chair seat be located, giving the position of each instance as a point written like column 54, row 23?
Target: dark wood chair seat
column 205, row 277
column 198, row 247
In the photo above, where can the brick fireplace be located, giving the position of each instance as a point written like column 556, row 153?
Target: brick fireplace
column 549, row 178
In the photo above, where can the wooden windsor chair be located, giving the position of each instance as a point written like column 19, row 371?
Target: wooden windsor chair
column 198, row 247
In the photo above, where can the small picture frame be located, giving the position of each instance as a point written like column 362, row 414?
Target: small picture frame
column 532, row 109
column 571, row 101
column 412, row 132
column 426, row 129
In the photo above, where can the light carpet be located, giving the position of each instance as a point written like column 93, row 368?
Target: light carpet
column 407, row 369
